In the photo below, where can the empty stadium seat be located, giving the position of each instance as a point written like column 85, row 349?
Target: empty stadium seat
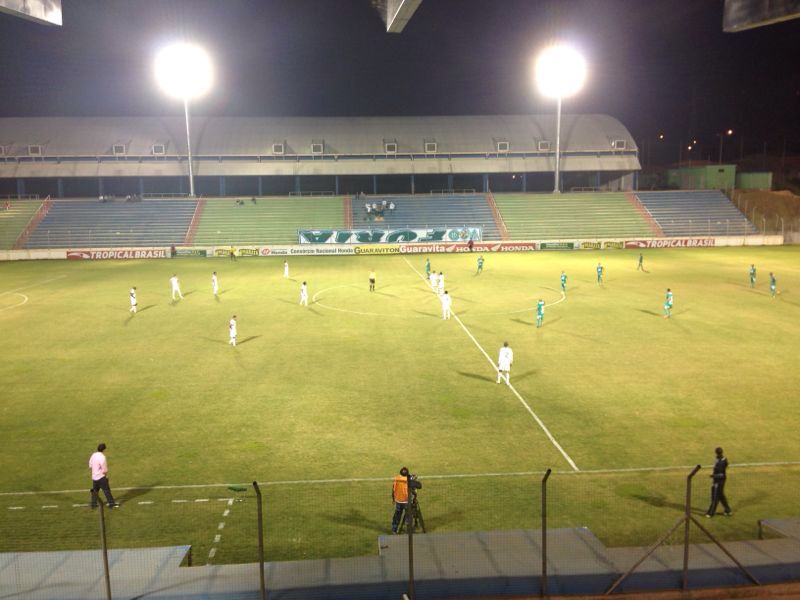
column 692, row 213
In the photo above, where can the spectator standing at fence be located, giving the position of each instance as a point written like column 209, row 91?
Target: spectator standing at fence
column 98, row 465
column 176, row 287
column 133, row 299
column 504, row 361
column 214, row 283
column 391, row 207
column 752, row 276
column 372, row 278
column 399, row 497
column 232, row 331
column 470, row 244
column 718, row 478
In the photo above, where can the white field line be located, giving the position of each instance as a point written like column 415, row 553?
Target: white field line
column 511, row 387
column 733, row 466
column 27, row 287
column 18, row 304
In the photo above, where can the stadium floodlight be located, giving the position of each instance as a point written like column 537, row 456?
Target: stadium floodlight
column 721, row 136
column 184, row 71
column 560, row 72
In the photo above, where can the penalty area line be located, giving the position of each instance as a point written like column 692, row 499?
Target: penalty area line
column 511, row 387
column 27, row 287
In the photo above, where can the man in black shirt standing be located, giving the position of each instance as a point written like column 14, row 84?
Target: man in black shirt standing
column 718, row 486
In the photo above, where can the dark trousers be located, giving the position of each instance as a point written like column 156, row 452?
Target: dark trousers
column 399, row 509
column 102, row 484
column 717, row 497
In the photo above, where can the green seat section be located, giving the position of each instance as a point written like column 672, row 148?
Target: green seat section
column 561, row 216
column 14, row 220
column 268, row 221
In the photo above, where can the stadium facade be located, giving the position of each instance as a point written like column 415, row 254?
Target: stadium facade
column 80, row 157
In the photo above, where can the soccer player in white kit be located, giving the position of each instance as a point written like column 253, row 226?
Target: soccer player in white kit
column 440, row 283
column 214, row 283
column 286, row 269
column 176, row 287
column 447, row 303
column 304, row 294
column 232, row 331
column 504, row 362
column 434, row 281
column 133, row 300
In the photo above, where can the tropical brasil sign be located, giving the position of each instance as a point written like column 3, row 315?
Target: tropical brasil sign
column 389, row 236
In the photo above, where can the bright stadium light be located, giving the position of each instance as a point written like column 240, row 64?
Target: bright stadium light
column 560, row 72
column 184, row 71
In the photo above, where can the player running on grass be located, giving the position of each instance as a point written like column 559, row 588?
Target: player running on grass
column 540, row 313
column 599, row 274
column 133, row 299
column 480, row 265
column 668, row 304
column 640, row 266
column 504, row 362
column 286, row 269
column 752, row 276
column 564, row 283
column 372, row 278
column 176, row 287
column 214, row 283
column 773, row 285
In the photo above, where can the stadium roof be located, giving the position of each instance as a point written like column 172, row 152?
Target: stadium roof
column 239, row 136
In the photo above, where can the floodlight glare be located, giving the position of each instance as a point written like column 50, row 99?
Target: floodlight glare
column 184, row 71
column 560, row 71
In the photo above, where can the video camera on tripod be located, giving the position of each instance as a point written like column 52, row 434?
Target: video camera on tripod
column 413, row 512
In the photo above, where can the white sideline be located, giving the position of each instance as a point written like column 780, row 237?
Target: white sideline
column 734, row 467
column 511, row 387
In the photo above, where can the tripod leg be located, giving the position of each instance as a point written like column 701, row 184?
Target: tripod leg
column 420, row 522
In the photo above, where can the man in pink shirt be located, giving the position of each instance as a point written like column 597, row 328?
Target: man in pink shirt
column 99, row 468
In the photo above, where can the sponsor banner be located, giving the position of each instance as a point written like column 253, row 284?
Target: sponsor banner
column 390, row 236
column 324, row 250
column 117, row 254
column 190, row 252
column 615, row 245
column 672, row 243
column 557, row 245
column 377, row 249
column 456, row 248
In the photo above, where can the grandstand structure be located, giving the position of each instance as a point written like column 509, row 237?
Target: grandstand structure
column 89, row 157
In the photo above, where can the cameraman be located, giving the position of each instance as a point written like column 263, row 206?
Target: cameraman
column 399, row 497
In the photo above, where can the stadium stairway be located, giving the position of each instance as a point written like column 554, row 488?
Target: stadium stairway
column 446, row 565
column 422, row 212
column 15, row 219
column 92, row 224
column 268, row 221
column 571, row 215
column 692, row 213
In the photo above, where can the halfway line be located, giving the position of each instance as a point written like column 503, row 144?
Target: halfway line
column 511, row 387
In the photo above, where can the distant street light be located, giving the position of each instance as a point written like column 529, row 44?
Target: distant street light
column 184, row 71
column 560, row 72
column 721, row 136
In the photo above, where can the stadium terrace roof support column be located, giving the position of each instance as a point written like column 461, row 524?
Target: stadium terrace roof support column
column 560, row 72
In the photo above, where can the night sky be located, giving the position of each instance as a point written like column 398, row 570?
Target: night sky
column 658, row 66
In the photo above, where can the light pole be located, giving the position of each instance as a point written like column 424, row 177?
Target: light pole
column 560, row 72
column 721, row 136
column 184, row 71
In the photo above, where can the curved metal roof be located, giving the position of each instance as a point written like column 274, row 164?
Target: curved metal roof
column 254, row 136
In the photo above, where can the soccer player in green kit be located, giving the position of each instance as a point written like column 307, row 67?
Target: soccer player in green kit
column 427, row 268
column 773, row 285
column 599, row 274
column 640, row 267
column 668, row 304
column 480, row 265
column 540, row 313
column 752, row 276
column 564, row 283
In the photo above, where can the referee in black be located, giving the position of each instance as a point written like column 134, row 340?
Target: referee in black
column 718, row 486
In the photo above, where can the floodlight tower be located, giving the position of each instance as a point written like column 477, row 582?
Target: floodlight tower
column 184, row 71
column 560, row 72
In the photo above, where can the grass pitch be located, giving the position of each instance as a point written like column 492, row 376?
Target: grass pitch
column 360, row 383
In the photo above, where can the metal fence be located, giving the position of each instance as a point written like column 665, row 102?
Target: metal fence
column 169, row 536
